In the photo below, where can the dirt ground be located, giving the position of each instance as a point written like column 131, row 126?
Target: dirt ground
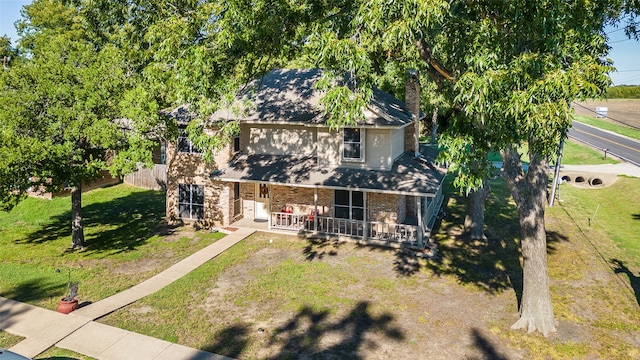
column 620, row 111
column 292, row 298
column 387, row 308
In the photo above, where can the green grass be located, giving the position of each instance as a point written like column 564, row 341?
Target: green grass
column 319, row 291
column 618, row 129
column 124, row 233
column 55, row 353
column 612, row 212
column 241, row 290
column 575, row 153
column 7, row 340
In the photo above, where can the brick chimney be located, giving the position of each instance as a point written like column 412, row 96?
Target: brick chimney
column 412, row 100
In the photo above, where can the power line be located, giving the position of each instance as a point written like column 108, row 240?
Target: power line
column 619, row 41
column 610, row 118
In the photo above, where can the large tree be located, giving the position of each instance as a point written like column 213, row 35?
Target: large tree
column 508, row 70
column 62, row 109
column 517, row 66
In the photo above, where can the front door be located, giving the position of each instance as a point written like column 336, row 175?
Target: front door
column 262, row 202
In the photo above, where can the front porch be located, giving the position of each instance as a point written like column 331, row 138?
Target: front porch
column 392, row 220
column 384, row 234
column 404, row 234
column 395, row 207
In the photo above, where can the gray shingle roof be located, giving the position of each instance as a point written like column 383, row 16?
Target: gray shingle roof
column 409, row 176
column 290, row 96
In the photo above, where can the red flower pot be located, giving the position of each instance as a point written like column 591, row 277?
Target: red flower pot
column 67, row 306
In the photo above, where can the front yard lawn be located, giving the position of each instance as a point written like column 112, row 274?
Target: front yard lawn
column 292, row 298
column 127, row 244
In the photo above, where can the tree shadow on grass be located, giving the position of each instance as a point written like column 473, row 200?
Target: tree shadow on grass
column 114, row 226
column 486, row 347
column 553, row 239
column 493, row 263
column 31, row 290
column 314, row 334
column 317, row 249
column 302, row 336
column 634, row 280
column 230, row 341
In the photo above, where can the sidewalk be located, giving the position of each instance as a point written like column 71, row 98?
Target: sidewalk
column 79, row 332
column 623, row 168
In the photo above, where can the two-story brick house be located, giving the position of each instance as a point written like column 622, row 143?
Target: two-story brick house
column 289, row 169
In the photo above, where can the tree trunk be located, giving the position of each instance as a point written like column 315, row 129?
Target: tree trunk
column 434, row 125
column 530, row 193
column 474, row 220
column 77, row 231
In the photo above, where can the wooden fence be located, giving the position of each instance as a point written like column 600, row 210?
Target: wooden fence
column 154, row 178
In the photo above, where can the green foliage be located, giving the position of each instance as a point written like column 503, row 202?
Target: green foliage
column 624, row 92
column 62, row 108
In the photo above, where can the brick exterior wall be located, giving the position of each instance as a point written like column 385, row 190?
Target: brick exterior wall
column 387, row 208
column 412, row 100
column 185, row 168
column 300, row 199
column 325, row 202
column 410, row 138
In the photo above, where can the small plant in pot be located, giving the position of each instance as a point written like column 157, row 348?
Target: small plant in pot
column 69, row 302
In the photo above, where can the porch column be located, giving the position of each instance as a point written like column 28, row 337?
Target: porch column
column 365, row 226
column 315, row 210
column 269, row 207
column 420, row 243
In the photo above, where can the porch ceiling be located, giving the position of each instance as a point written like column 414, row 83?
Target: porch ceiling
column 409, row 176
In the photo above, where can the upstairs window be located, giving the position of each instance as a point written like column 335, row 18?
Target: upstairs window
column 185, row 145
column 349, row 205
column 191, row 201
column 236, row 143
column 352, row 142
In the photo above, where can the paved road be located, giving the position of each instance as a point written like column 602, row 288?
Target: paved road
column 620, row 146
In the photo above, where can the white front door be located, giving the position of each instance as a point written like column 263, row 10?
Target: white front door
column 262, row 202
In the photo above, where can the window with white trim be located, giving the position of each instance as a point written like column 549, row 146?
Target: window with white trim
column 191, row 201
column 352, row 144
column 185, row 145
column 348, row 205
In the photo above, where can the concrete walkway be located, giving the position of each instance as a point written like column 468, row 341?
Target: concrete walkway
column 623, row 168
column 79, row 332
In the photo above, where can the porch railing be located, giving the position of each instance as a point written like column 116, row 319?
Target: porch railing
column 399, row 233
column 336, row 226
column 287, row 221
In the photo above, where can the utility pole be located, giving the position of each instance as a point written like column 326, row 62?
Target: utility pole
column 556, row 175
